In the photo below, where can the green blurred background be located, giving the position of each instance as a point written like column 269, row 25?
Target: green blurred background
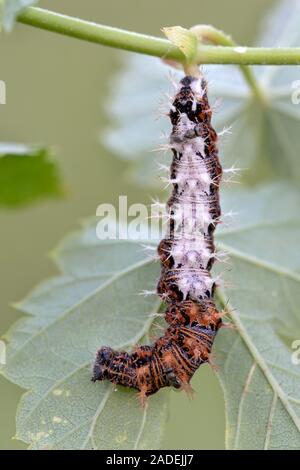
column 56, row 91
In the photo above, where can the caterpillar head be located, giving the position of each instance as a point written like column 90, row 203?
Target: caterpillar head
column 102, row 362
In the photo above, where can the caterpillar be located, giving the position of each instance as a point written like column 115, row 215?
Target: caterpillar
column 187, row 254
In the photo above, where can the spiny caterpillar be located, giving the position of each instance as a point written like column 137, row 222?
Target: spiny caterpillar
column 186, row 254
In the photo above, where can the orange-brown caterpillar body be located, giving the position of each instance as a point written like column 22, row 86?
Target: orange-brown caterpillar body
column 187, row 255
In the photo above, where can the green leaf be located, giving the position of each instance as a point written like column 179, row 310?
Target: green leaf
column 95, row 302
column 9, row 10
column 27, row 173
column 263, row 135
column 260, row 382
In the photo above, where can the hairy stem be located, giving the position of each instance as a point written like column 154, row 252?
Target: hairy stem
column 141, row 43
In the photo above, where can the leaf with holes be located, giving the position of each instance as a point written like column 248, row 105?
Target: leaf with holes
column 262, row 138
column 96, row 302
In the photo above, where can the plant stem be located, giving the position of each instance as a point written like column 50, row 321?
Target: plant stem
column 154, row 46
column 100, row 34
column 213, row 35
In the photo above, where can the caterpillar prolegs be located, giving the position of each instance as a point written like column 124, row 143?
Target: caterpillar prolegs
column 186, row 254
